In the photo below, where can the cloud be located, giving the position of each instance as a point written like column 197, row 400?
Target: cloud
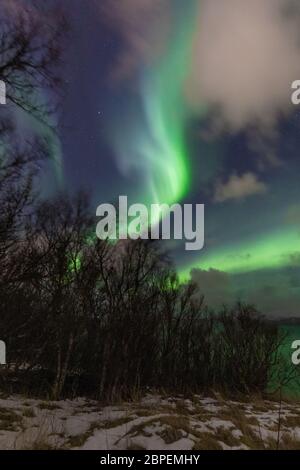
column 275, row 293
column 143, row 26
column 295, row 258
column 245, row 54
column 292, row 215
column 215, row 285
column 245, row 57
column 239, row 187
column 28, row 11
column 11, row 7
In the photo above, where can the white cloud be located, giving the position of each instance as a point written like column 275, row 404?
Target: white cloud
column 246, row 55
column 143, row 26
column 278, row 295
column 239, row 187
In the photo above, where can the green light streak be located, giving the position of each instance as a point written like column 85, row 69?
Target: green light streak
column 74, row 264
column 272, row 251
column 158, row 145
column 162, row 91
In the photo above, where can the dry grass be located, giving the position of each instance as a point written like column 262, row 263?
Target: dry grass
column 134, row 446
column 173, row 427
column 141, row 412
column 39, row 445
column 252, row 420
column 287, row 442
column 207, row 441
column 114, row 423
column 182, row 408
column 225, row 435
column 48, row 406
column 46, row 435
column 240, row 421
column 291, row 421
column 29, row 413
column 208, row 427
column 170, row 434
column 9, row 420
column 78, row 441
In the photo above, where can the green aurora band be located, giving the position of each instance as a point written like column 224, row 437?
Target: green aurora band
column 165, row 150
column 272, row 251
column 158, row 144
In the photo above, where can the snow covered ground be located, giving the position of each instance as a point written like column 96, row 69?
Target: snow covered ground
column 154, row 423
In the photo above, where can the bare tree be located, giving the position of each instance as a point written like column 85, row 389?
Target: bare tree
column 248, row 349
column 30, row 51
column 30, row 47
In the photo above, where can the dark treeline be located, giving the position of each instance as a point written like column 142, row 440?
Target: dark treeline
column 80, row 315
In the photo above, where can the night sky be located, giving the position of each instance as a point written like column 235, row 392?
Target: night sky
column 190, row 101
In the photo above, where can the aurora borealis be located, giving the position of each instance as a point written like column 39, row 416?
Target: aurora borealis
column 153, row 142
column 272, row 251
column 170, row 101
